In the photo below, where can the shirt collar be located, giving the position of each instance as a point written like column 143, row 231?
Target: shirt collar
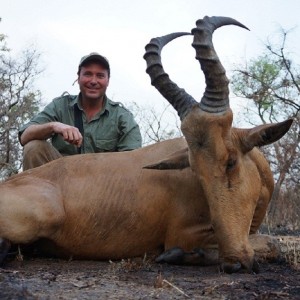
column 105, row 109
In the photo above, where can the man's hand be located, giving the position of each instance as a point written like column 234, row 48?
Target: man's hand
column 70, row 134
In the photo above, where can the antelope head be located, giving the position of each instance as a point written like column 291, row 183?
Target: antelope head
column 220, row 155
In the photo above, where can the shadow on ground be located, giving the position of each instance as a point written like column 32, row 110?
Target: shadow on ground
column 37, row 278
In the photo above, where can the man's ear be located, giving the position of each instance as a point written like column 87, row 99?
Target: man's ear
column 264, row 134
column 177, row 161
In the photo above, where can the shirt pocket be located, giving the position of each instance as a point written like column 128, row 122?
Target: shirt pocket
column 62, row 146
column 106, row 145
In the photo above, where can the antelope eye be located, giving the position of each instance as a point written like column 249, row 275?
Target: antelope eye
column 230, row 164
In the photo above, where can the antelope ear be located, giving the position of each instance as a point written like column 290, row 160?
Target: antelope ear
column 265, row 134
column 177, row 161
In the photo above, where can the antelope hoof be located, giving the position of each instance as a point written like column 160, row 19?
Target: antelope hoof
column 178, row 256
column 4, row 248
column 172, row 256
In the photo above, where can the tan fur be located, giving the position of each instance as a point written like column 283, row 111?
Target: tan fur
column 107, row 206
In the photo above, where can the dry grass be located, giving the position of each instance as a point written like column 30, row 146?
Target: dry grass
column 131, row 264
column 290, row 249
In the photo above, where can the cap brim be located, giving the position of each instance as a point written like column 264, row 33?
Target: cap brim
column 95, row 58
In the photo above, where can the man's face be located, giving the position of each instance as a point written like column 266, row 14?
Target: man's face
column 93, row 81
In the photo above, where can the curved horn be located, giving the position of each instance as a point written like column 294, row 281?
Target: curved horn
column 176, row 96
column 215, row 98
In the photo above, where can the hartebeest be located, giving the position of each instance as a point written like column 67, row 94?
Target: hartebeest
column 208, row 191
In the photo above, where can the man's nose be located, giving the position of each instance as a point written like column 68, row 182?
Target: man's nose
column 94, row 79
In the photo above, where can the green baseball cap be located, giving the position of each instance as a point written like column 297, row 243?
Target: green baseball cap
column 94, row 56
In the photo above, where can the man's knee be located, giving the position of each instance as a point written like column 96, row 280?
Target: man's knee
column 37, row 153
column 35, row 147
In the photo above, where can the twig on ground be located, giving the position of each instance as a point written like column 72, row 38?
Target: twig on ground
column 176, row 288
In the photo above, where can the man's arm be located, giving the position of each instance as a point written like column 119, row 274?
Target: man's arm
column 131, row 136
column 70, row 134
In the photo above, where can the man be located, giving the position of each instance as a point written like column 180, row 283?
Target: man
column 102, row 125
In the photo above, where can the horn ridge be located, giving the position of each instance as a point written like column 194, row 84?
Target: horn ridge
column 216, row 95
column 176, row 96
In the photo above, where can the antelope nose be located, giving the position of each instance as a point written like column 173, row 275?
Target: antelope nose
column 233, row 267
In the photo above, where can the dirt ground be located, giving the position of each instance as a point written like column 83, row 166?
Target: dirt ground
column 44, row 278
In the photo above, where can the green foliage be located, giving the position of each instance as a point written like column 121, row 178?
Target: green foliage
column 259, row 81
column 272, row 82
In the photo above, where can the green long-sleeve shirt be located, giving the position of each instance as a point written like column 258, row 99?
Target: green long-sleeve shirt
column 112, row 129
